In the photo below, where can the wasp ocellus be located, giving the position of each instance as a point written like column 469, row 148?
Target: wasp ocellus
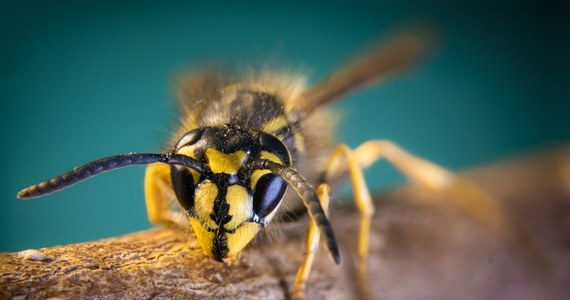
column 252, row 146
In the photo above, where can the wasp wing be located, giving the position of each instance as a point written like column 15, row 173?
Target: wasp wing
column 384, row 60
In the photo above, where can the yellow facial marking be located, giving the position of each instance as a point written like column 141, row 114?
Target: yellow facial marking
column 242, row 236
column 275, row 125
column 225, row 163
column 241, row 208
column 270, row 156
column 205, row 195
column 255, row 177
column 189, row 151
column 205, row 237
column 258, row 173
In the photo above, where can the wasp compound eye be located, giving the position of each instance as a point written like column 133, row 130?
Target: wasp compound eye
column 269, row 191
column 183, row 185
column 274, row 145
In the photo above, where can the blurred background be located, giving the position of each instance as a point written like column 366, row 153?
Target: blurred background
column 80, row 81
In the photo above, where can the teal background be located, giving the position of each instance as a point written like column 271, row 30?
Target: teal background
column 84, row 81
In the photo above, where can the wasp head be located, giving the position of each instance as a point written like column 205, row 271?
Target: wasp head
column 228, row 202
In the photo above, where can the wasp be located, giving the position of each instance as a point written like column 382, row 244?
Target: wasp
column 253, row 146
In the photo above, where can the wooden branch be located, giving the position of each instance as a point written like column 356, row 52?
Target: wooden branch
column 421, row 248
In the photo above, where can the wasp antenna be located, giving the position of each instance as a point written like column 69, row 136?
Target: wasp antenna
column 102, row 165
column 310, row 199
column 388, row 58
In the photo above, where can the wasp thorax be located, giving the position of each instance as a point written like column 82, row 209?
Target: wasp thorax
column 228, row 202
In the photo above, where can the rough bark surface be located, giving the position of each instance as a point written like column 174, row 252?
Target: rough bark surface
column 421, row 248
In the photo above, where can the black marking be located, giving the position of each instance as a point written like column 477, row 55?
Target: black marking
column 227, row 139
column 220, row 245
column 220, row 215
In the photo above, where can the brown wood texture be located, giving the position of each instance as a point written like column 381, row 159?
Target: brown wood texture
column 421, row 248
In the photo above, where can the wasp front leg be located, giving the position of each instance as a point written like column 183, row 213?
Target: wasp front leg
column 159, row 195
column 311, row 246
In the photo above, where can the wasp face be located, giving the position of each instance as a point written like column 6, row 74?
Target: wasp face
column 228, row 202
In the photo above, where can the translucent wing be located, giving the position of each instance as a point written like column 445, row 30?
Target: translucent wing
column 369, row 69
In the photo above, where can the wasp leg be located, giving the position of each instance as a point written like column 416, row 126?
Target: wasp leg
column 363, row 202
column 465, row 195
column 311, row 246
column 159, row 195
column 462, row 194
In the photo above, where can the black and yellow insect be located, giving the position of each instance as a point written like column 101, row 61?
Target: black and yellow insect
column 245, row 140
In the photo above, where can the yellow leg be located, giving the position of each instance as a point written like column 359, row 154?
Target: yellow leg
column 363, row 202
column 159, row 197
column 464, row 195
column 311, row 246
